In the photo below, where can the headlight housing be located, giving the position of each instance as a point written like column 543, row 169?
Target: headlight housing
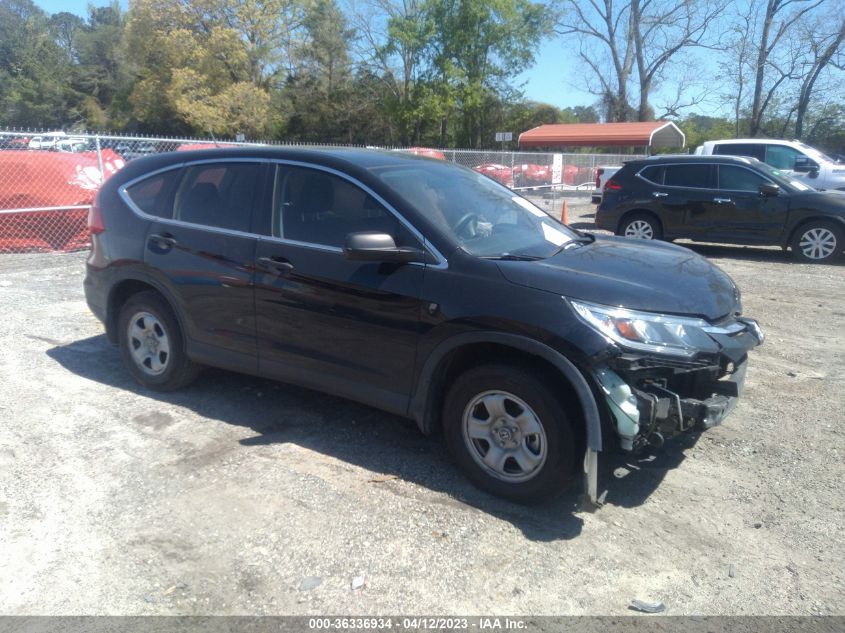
column 648, row 331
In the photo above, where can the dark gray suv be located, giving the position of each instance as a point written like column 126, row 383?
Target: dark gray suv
column 727, row 199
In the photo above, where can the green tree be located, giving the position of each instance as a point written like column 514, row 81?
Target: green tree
column 34, row 91
column 478, row 48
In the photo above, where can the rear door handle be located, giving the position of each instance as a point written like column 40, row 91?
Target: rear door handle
column 722, row 200
column 164, row 241
column 278, row 265
column 659, row 194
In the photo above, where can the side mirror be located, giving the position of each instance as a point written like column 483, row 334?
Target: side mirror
column 804, row 165
column 767, row 190
column 379, row 247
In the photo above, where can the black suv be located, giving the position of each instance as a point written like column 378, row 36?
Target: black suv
column 727, row 199
column 421, row 288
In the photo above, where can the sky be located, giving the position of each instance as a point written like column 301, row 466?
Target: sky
column 555, row 78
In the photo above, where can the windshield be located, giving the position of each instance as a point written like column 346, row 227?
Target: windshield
column 485, row 218
column 784, row 179
column 814, row 153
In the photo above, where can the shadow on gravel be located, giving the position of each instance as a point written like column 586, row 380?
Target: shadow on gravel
column 388, row 445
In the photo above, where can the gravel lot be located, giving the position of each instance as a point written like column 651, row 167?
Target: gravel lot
column 244, row 496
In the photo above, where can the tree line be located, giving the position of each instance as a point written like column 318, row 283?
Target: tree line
column 422, row 72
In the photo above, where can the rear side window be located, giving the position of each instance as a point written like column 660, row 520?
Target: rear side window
column 219, row 195
column 735, row 178
column 696, row 175
column 754, row 150
column 154, row 195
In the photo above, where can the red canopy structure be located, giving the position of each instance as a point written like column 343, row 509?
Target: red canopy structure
column 649, row 134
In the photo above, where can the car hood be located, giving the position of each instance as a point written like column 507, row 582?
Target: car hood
column 634, row 274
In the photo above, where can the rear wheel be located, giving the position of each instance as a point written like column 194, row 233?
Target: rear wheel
column 509, row 433
column 818, row 242
column 642, row 226
column 152, row 345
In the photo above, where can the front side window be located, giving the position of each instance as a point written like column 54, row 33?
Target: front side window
column 735, row 178
column 480, row 215
column 219, row 195
column 154, row 195
column 695, row 175
column 316, row 207
column 782, row 157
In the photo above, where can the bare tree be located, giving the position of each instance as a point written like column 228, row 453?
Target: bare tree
column 662, row 30
column 824, row 46
column 604, row 33
column 640, row 39
column 779, row 20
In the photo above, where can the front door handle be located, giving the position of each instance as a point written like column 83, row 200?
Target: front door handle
column 165, row 242
column 722, row 200
column 278, row 265
column 659, row 194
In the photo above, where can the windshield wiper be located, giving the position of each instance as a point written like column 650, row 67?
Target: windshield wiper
column 583, row 238
column 510, row 257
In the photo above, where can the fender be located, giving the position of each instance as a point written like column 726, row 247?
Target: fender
column 142, row 277
column 420, row 409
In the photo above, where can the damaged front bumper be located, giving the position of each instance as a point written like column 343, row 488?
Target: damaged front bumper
column 651, row 397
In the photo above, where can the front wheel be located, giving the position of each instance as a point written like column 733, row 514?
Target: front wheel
column 818, row 242
column 641, row 226
column 509, row 433
column 151, row 343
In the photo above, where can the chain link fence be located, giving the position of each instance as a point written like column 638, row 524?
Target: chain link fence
column 48, row 180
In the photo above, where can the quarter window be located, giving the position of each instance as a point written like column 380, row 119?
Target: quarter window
column 316, row 207
column 218, row 194
column 754, row 150
column 690, row 175
column 653, row 174
column 735, row 178
column 154, row 195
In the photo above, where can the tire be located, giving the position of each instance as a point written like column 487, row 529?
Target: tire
column 152, row 345
column 532, row 460
column 818, row 242
column 642, row 226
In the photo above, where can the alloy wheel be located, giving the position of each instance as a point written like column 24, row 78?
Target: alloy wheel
column 640, row 229
column 818, row 243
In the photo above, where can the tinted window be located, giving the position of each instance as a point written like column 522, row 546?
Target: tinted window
column 782, row 157
column 691, row 175
column 653, row 174
column 218, row 194
column 739, row 179
column 755, row 150
column 320, row 208
column 154, row 195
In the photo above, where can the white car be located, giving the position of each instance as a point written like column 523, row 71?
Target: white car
column 46, row 141
column 793, row 158
column 603, row 174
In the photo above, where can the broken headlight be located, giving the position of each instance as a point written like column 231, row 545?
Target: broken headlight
column 648, row 331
